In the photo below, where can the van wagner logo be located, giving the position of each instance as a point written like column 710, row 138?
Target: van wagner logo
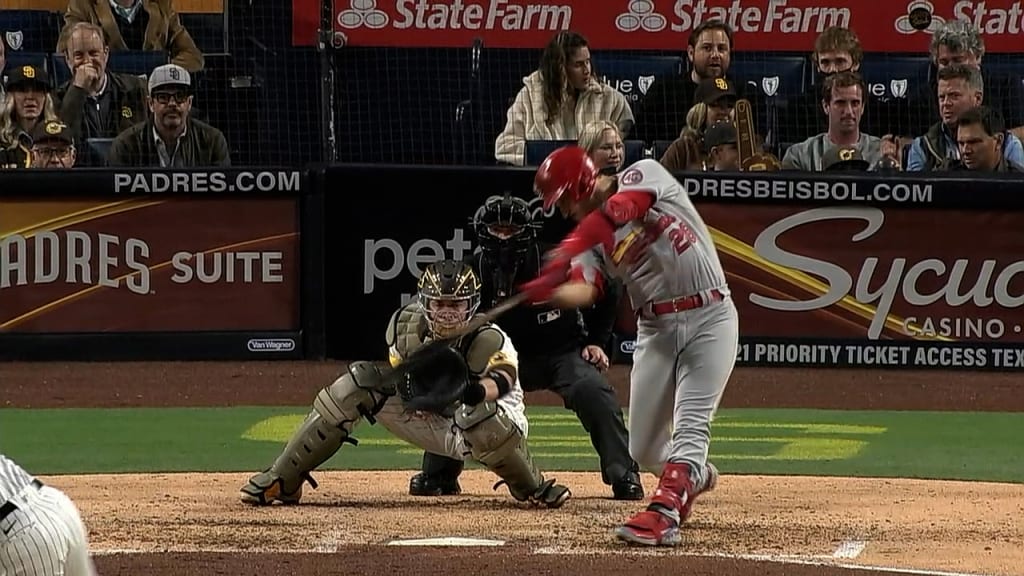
column 640, row 14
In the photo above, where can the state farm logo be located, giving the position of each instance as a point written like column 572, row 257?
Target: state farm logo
column 920, row 17
column 640, row 14
column 363, row 13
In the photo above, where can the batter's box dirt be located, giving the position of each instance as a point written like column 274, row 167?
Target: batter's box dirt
column 197, row 525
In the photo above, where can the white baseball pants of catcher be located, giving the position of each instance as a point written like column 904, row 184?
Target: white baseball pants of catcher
column 44, row 536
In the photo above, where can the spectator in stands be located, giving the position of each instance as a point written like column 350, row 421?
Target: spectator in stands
column 686, row 153
column 53, row 145
column 668, row 100
column 603, row 143
column 843, row 103
column 720, row 142
column 960, row 88
column 3, row 64
column 844, row 159
column 716, row 101
column 170, row 137
column 980, row 134
column 136, row 25
column 558, row 99
column 97, row 103
column 26, row 103
column 960, row 42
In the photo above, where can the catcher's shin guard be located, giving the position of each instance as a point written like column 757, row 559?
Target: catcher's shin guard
column 497, row 443
column 336, row 410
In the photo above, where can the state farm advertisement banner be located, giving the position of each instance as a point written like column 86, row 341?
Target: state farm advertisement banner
column 148, row 264
column 860, row 285
column 782, row 25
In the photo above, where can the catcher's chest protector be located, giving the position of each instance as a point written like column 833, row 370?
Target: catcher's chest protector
column 409, row 330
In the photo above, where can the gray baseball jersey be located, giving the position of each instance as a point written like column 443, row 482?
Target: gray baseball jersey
column 666, row 255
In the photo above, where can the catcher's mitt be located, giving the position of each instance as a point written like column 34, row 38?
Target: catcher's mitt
column 432, row 379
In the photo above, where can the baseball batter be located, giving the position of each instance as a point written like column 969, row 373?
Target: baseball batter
column 641, row 226
column 487, row 424
column 41, row 532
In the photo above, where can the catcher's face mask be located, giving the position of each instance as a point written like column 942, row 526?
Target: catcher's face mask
column 449, row 294
column 446, row 316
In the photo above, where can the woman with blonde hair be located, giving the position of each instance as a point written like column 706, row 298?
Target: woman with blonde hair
column 603, row 142
column 26, row 103
column 558, row 99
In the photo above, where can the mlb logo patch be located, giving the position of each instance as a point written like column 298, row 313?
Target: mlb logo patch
column 549, row 316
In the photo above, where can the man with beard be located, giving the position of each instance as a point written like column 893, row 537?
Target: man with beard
column 843, row 103
column 97, row 103
column 663, row 114
column 170, row 138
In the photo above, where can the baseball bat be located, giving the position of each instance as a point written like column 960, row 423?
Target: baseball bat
column 488, row 316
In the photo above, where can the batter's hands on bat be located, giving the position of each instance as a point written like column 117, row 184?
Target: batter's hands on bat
column 596, row 356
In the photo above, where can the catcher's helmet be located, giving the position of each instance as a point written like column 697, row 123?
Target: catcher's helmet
column 449, row 294
column 566, row 171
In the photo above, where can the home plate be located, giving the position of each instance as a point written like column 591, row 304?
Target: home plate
column 448, row 541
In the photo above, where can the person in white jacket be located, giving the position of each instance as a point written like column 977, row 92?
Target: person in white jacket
column 558, row 99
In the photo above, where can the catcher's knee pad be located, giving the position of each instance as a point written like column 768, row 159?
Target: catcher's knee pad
column 359, row 393
column 496, row 442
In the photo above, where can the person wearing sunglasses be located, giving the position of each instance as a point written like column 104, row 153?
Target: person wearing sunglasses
column 170, row 137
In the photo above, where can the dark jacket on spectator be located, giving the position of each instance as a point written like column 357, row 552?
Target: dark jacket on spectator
column 662, row 115
column 201, row 145
column 17, row 157
column 161, row 29
column 124, row 105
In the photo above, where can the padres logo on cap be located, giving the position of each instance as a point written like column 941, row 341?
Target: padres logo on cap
column 28, row 71
column 846, row 154
column 721, row 84
column 126, row 113
column 54, row 127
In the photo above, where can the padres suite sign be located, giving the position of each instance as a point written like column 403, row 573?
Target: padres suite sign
column 151, row 265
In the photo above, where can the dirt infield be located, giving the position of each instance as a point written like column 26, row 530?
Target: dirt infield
column 193, row 524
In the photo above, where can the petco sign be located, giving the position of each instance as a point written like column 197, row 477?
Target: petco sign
column 898, row 26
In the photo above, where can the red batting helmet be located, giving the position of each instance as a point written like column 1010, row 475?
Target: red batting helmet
column 567, row 170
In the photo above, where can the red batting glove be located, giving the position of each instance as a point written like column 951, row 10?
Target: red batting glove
column 543, row 287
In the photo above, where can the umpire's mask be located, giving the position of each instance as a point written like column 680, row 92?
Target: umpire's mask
column 507, row 237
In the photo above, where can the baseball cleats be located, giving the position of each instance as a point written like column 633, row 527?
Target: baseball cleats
column 671, row 505
column 628, row 488
column 265, row 488
column 424, row 484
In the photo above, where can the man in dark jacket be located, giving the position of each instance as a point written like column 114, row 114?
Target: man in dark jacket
column 561, row 351
column 170, row 137
column 97, row 103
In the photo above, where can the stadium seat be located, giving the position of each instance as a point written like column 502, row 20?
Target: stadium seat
column 207, row 30
column 30, row 30
column 895, row 76
column 98, row 150
column 538, row 150
column 633, row 75
column 771, row 75
column 660, row 146
column 138, row 62
column 634, row 151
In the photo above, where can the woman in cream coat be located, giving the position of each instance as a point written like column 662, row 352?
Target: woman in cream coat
column 559, row 99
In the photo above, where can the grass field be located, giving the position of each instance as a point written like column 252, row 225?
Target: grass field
column 940, row 445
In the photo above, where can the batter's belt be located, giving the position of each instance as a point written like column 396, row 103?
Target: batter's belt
column 9, row 507
column 682, row 303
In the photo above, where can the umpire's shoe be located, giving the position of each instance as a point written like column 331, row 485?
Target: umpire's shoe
column 628, row 487
column 424, row 484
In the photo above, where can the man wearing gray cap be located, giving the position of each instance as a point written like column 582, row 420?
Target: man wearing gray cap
column 170, row 137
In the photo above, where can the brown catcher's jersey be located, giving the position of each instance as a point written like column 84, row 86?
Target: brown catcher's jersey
column 668, row 253
column 485, row 349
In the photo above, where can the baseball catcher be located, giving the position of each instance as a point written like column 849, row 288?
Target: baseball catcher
column 449, row 394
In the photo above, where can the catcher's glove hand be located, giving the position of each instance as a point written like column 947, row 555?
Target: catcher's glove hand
column 432, row 379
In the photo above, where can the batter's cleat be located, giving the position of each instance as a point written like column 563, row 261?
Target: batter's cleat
column 628, row 488
column 265, row 488
column 424, row 484
column 710, row 481
column 650, row 528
